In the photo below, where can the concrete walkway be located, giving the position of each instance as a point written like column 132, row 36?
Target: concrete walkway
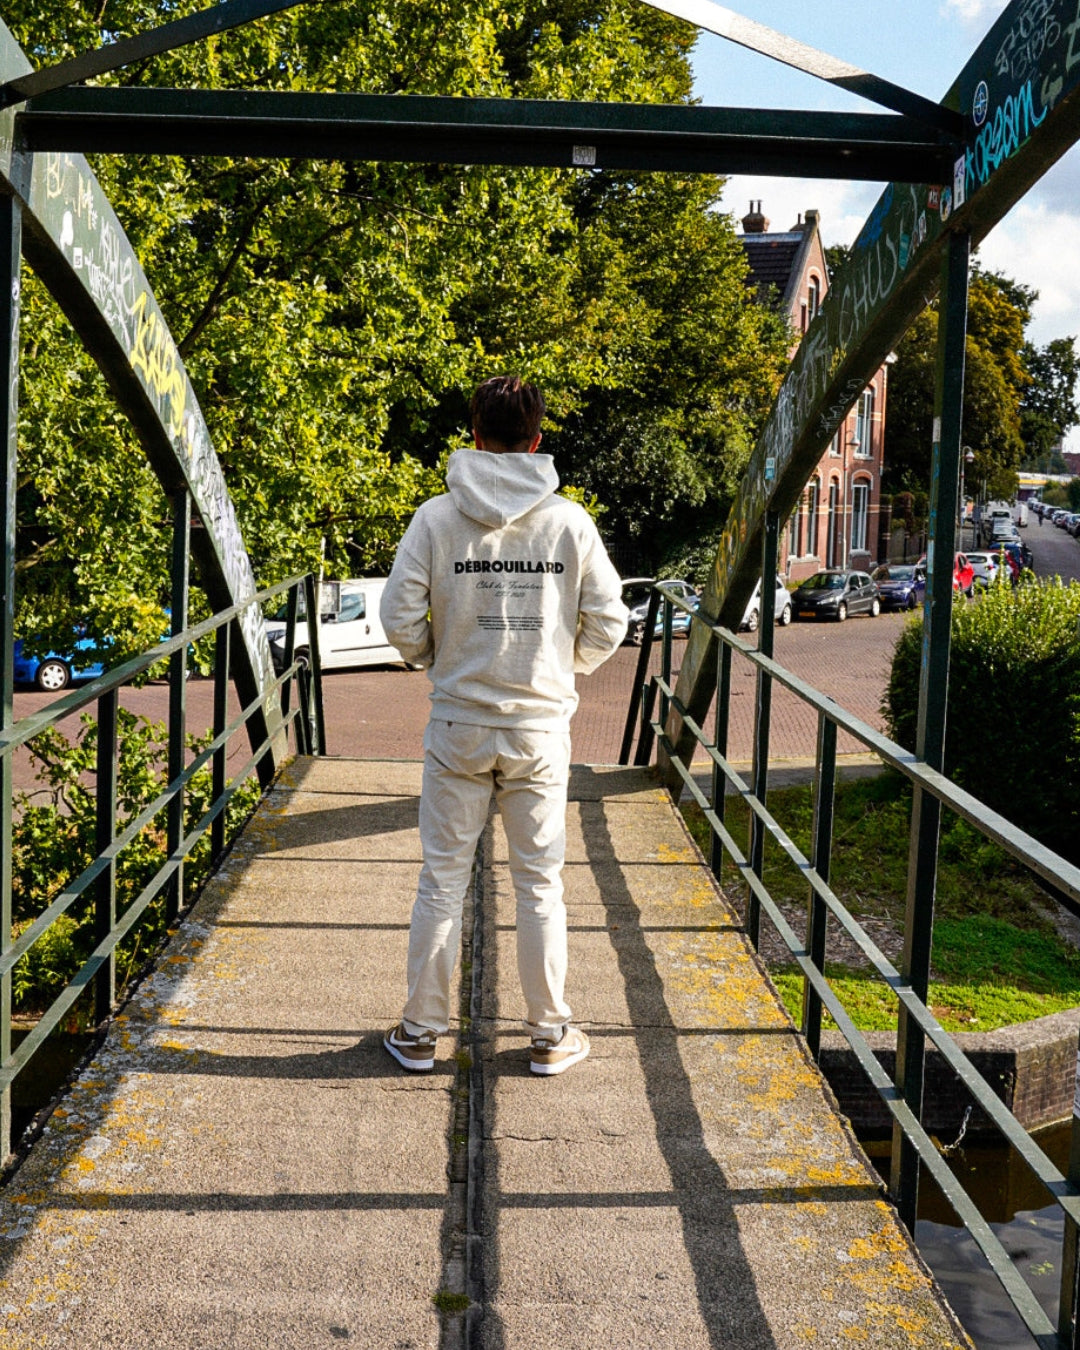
column 243, row 1165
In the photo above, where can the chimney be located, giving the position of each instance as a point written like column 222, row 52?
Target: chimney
column 755, row 222
column 812, row 218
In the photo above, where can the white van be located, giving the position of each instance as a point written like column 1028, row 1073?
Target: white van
column 350, row 631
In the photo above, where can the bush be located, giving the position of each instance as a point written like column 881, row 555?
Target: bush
column 54, row 842
column 1013, row 725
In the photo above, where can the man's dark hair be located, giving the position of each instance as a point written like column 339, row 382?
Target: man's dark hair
column 507, row 412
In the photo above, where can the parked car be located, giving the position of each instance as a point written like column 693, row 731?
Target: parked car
column 1017, row 550
column 835, row 593
column 963, row 578
column 984, row 568
column 350, row 630
column 82, row 660
column 994, row 516
column 900, row 585
column 635, row 596
column 680, row 620
column 1057, row 517
column 782, row 606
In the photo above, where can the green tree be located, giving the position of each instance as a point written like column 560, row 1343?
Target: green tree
column 1048, row 409
column 334, row 317
column 997, row 381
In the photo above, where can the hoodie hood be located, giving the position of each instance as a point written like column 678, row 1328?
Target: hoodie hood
column 495, row 490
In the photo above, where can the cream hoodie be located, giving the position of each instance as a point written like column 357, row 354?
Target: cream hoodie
column 504, row 590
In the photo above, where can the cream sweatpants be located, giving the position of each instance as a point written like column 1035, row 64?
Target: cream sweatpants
column 528, row 772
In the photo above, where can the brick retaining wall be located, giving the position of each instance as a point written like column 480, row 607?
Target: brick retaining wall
column 1031, row 1067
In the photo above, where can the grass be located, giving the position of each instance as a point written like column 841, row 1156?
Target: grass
column 997, row 957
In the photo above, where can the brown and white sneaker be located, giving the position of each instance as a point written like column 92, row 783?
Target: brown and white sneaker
column 415, row 1053
column 547, row 1056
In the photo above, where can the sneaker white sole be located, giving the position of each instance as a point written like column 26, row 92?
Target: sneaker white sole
column 407, row 1062
column 546, row 1070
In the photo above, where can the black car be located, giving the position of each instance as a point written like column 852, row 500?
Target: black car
column 834, row 594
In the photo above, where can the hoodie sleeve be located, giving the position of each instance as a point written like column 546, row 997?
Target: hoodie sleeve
column 406, row 600
column 602, row 616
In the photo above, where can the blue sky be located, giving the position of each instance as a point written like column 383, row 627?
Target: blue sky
column 922, row 45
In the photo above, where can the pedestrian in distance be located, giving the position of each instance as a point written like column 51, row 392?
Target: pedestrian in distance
column 503, row 590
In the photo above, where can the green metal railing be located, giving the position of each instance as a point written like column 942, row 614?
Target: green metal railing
column 808, row 951
column 98, row 878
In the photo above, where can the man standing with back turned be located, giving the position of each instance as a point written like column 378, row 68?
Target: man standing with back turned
column 504, row 590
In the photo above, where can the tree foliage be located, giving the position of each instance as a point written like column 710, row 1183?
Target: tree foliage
column 1018, row 399
column 334, row 317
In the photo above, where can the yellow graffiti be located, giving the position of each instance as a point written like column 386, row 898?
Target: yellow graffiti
column 54, row 177
column 155, row 357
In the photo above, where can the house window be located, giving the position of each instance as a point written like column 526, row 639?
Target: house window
column 804, row 318
column 813, row 492
column 834, row 445
column 832, row 539
column 813, row 296
column 860, row 510
column 864, row 422
column 795, row 533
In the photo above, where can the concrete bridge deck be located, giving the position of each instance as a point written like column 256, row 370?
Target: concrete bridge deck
column 243, row 1165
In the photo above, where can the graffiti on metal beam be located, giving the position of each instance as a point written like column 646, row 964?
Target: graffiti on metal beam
column 67, row 201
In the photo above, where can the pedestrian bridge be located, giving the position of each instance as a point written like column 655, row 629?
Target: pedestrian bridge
column 242, row 1164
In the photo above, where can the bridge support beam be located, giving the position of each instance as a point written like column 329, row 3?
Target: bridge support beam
column 933, row 698
column 10, row 258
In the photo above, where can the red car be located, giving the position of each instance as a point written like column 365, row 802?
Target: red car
column 963, row 577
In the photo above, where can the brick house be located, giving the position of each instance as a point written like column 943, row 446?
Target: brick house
column 839, row 520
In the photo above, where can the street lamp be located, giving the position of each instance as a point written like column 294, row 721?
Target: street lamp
column 966, row 459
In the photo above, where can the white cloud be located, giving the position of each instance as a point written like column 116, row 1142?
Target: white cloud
column 1035, row 244
column 975, row 13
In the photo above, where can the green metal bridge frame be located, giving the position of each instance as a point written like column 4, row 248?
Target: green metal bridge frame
column 954, row 169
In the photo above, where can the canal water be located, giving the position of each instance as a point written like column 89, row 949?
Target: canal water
column 1022, row 1214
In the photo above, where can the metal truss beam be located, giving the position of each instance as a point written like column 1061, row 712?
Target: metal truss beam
column 756, row 37
column 873, row 146
column 166, row 38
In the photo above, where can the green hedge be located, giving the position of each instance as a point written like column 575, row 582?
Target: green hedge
column 1013, row 729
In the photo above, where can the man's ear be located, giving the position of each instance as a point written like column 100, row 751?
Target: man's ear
column 536, row 442
column 476, row 439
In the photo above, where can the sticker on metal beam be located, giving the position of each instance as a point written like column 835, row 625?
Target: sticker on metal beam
column 585, row 156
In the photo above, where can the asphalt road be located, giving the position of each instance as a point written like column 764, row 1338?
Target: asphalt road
column 380, row 713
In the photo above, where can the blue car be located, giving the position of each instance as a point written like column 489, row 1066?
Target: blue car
column 56, row 670
column 900, row 585
column 680, row 620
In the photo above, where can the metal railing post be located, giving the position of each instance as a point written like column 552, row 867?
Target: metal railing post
column 10, row 256
column 105, row 833
column 645, row 740
column 311, row 597
column 1069, row 1304
column 720, row 742
column 817, row 912
column 933, row 697
column 665, row 660
column 770, row 549
column 222, row 658
column 181, row 580
column 291, row 607
column 641, row 671
column 303, row 710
